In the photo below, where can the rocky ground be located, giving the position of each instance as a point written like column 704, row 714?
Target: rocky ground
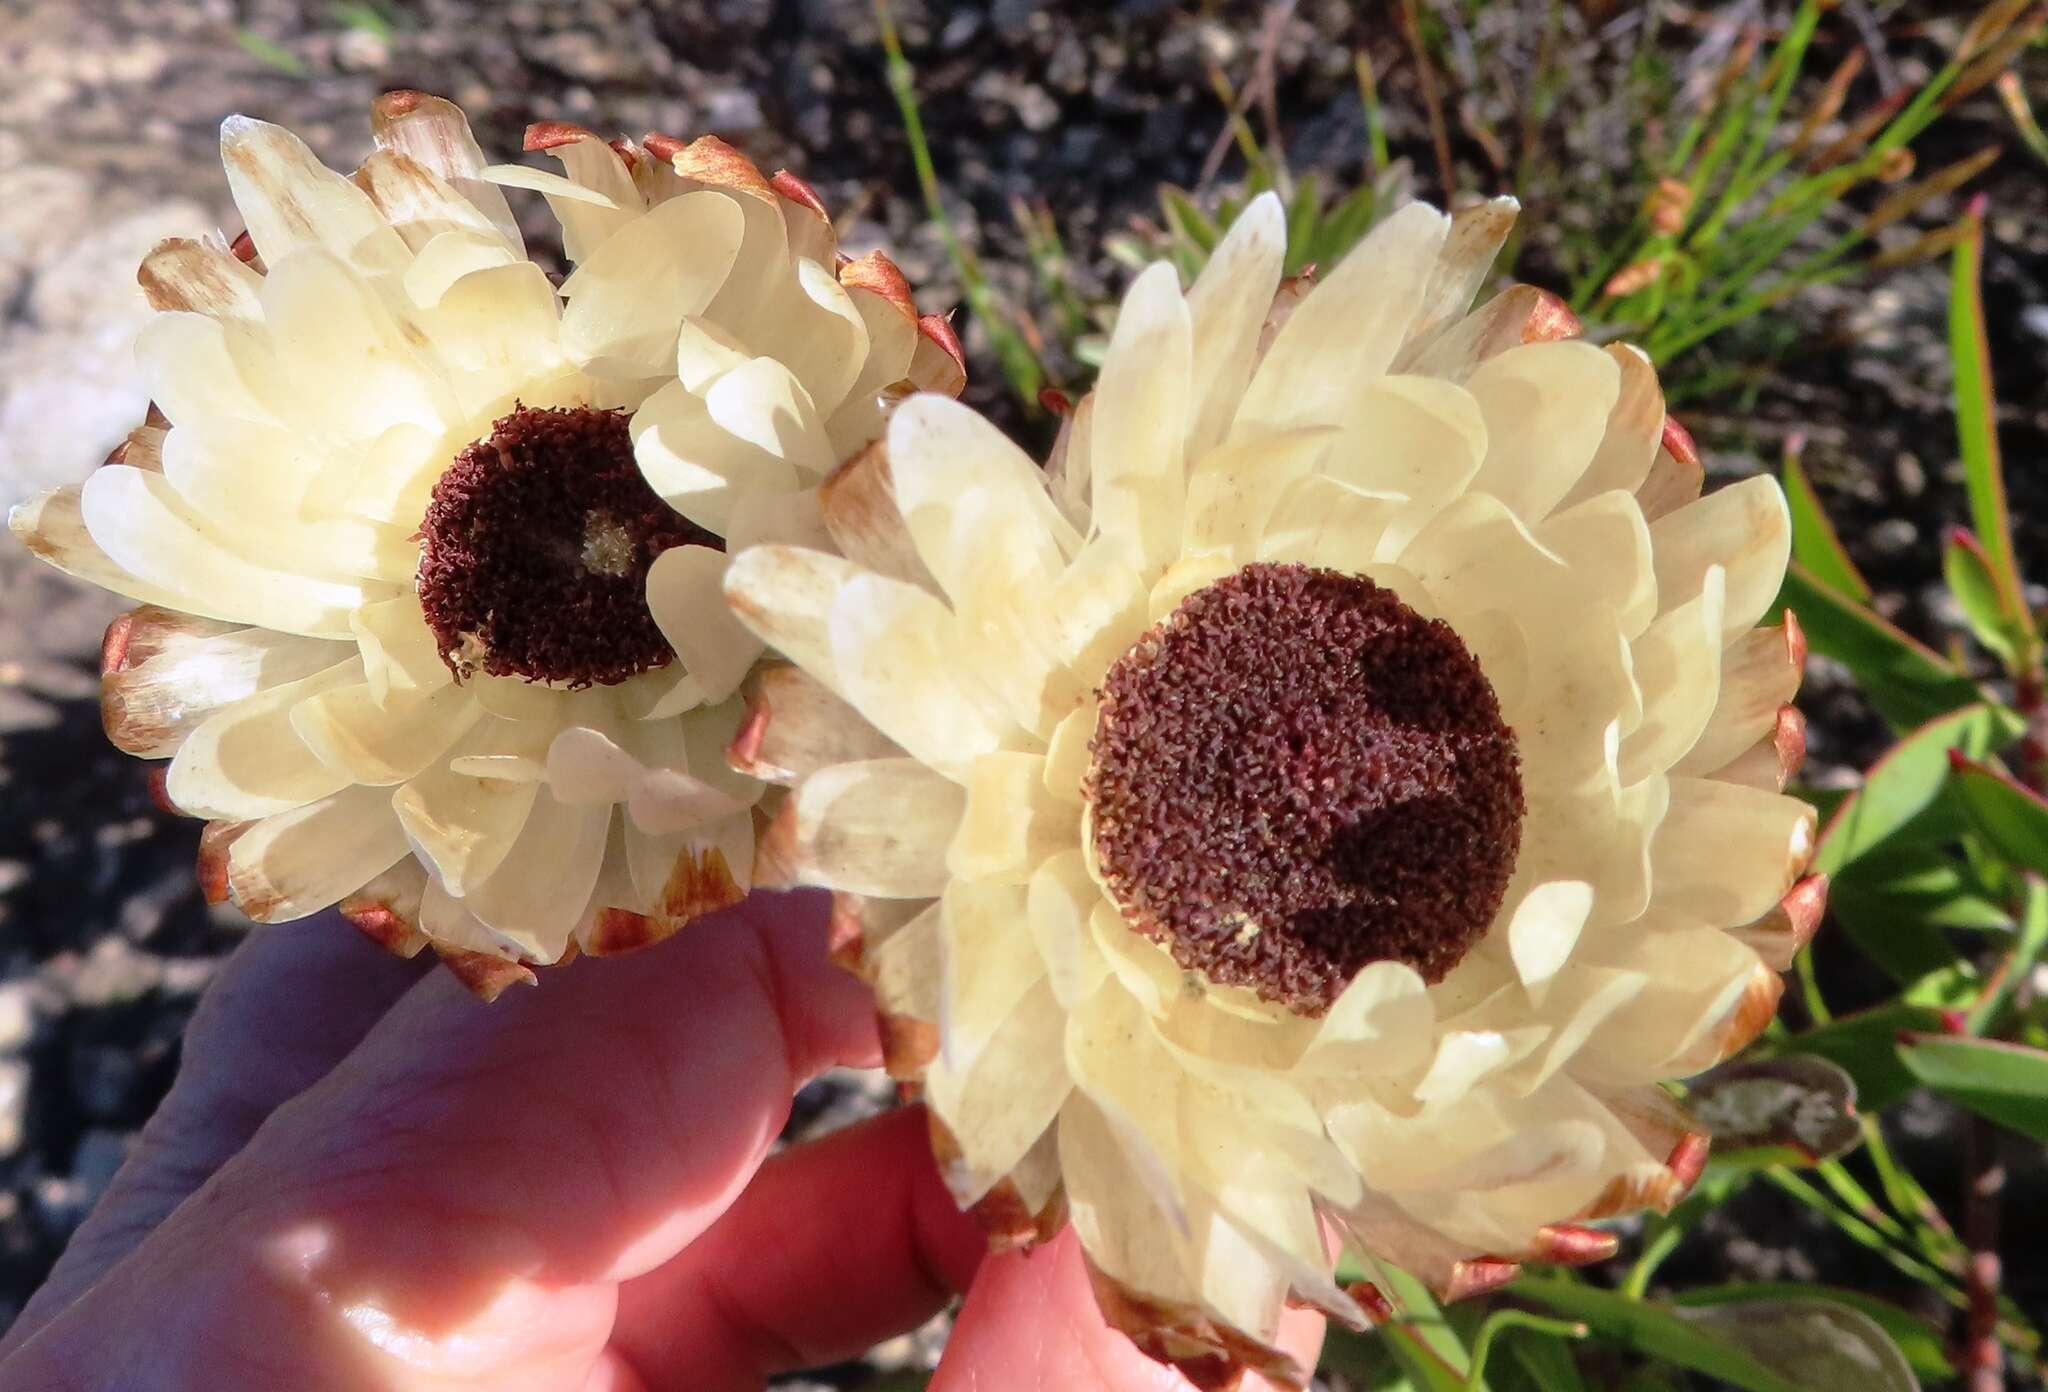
column 107, row 143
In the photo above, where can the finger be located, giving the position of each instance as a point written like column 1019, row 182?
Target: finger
column 285, row 1007
column 1031, row 1324
column 460, row 1193
column 835, row 1246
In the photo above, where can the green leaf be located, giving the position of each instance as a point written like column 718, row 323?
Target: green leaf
column 1186, row 221
column 1866, row 1045
column 1977, row 414
column 1347, row 223
column 2006, row 1083
column 1302, row 215
column 1908, row 683
column 1919, row 1341
column 1968, row 572
column 2013, row 819
column 1425, row 1367
column 1817, row 1344
column 1655, row 1331
column 1815, row 543
column 272, row 54
column 1905, row 781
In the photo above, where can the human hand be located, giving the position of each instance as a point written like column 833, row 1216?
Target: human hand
column 366, row 1179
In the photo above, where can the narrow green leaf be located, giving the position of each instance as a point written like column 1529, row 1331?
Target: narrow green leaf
column 1909, row 683
column 2013, row 819
column 1977, row 411
column 1549, row 1364
column 1927, row 883
column 2029, row 943
column 1424, row 1325
column 266, row 51
column 1655, row 1331
column 1424, row 1366
column 1186, row 220
column 1302, row 216
column 1865, row 1044
column 1815, row 543
column 1347, row 223
column 1816, row 1344
column 1919, row 1341
column 1967, row 570
column 1901, row 785
column 2005, row 1083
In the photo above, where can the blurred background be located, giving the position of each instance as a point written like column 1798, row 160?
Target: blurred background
column 1760, row 191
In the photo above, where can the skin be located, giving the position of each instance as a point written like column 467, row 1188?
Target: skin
column 365, row 1180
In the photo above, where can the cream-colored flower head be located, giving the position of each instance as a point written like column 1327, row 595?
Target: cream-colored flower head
column 418, row 636
column 1342, row 787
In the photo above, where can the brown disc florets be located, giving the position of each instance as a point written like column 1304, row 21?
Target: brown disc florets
column 535, row 549
column 1296, row 775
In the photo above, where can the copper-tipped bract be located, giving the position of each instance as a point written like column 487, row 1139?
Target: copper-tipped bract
column 345, row 713
column 970, row 676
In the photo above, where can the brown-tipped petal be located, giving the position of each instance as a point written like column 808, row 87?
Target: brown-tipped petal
column 845, row 935
column 143, row 449
column 1004, row 1214
column 1210, row 1355
column 1746, row 1021
column 1679, row 441
column 1572, row 1244
column 1686, row 1163
column 1673, row 482
column 798, row 190
column 1550, row 319
column 1773, row 761
column 908, row 1045
column 114, row 643
column 1478, row 1276
column 614, row 932
column 214, row 843
column 1790, row 741
column 546, row 135
column 181, row 273
column 1286, row 300
column 794, row 727
column 1645, row 1186
column 1372, row 1300
column 383, row 925
column 709, row 160
column 701, row 883
column 939, row 364
column 878, row 273
column 1760, row 671
column 859, row 504
column 860, row 924
column 486, row 976
column 1779, row 934
column 160, row 790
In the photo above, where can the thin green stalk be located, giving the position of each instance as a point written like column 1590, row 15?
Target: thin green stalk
column 1499, row 1322
column 1859, row 1231
column 1790, row 54
column 1020, row 364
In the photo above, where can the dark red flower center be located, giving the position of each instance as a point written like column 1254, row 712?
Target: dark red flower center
column 1297, row 775
column 535, row 549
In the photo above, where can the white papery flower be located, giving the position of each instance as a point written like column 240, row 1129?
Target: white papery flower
column 1338, row 791
column 417, row 635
